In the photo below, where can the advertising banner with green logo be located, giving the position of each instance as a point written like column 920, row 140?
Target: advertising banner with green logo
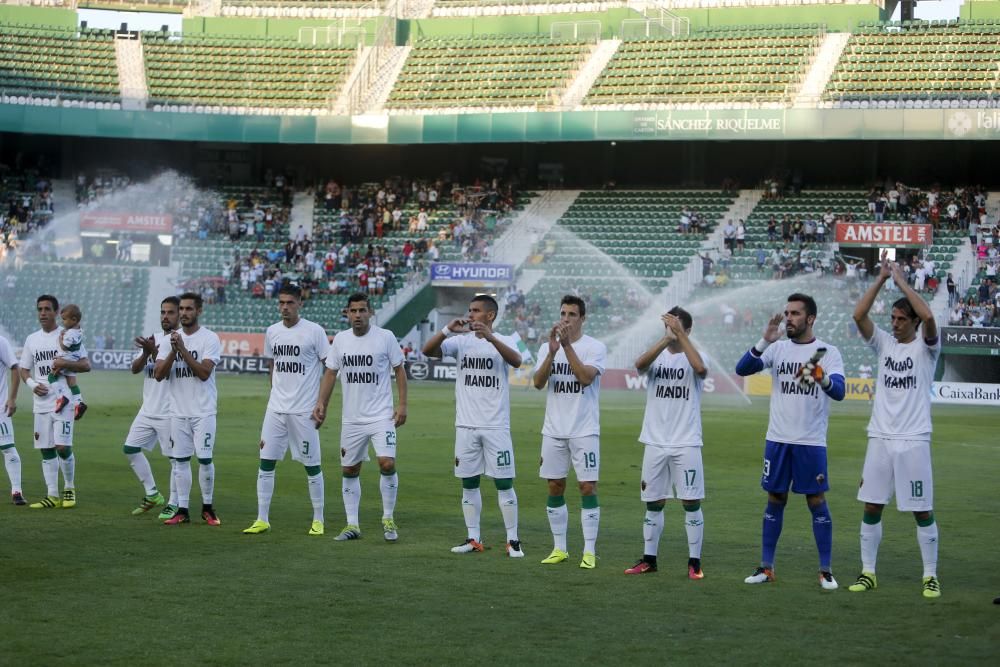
column 708, row 125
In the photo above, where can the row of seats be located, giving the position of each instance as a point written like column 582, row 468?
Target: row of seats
column 733, row 66
column 486, row 71
column 53, row 60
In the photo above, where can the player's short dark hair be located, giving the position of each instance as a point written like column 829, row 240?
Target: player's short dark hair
column 570, row 300
column 491, row 304
column 357, row 296
column 191, row 296
column 51, row 299
column 906, row 307
column 683, row 315
column 291, row 289
column 172, row 300
column 807, row 300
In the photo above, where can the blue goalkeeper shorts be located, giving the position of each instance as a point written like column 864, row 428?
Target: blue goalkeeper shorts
column 801, row 468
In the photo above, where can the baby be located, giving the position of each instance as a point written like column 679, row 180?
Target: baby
column 70, row 342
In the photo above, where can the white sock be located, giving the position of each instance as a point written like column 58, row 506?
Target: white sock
column 265, row 489
column 590, row 519
column 206, row 480
column 652, row 528
column 50, row 471
column 507, row 500
column 182, row 476
column 68, row 468
column 140, row 466
column 76, row 398
column 472, row 508
column 12, row 460
column 558, row 524
column 173, row 486
column 694, row 523
column 927, row 537
column 389, row 486
column 871, row 537
column 317, row 495
column 351, row 486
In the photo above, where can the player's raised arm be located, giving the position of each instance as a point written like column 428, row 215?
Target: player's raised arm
column 432, row 348
column 694, row 358
column 584, row 374
column 202, row 369
column 510, row 355
column 751, row 361
column 647, row 358
column 541, row 376
column 326, row 386
column 399, row 414
column 148, row 347
column 865, row 324
column 920, row 307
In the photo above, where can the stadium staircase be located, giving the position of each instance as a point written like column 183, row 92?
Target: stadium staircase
column 131, row 73
column 303, row 213
column 588, row 74
column 516, row 244
column 822, row 68
column 385, row 79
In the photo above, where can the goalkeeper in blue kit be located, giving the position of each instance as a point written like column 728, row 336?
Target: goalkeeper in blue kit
column 806, row 374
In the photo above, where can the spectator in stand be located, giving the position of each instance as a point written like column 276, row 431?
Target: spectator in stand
column 741, row 235
column 772, row 230
column 729, row 235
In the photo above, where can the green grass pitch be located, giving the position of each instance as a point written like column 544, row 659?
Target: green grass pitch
column 94, row 585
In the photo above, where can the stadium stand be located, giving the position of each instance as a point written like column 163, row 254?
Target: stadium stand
column 732, row 65
column 518, row 7
column 615, row 249
column 53, row 62
column 113, row 299
column 919, row 61
column 270, row 75
column 486, row 72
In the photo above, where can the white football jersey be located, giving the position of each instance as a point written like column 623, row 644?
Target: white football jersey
column 156, row 395
column 673, row 403
column 40, row 348
column 482, row 396
column 903, row 387
column 189, row 396
column 7, row 361
column 297, row 354
column 362, row 364
column 572, row 410
column 799, row 415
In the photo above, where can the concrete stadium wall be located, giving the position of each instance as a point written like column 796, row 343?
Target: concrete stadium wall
column 37, row 16
column 980, row 9
column 837, row 18
column 202, row 25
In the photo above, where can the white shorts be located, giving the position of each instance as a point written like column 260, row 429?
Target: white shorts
column 672, row 472
column 146, row 431
column 479, row 450
column 51, row 429
column 6, row 431
column 900, row 466
column 192, row 436
column 282, row 431
column 354, row 441
column 557, row 453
